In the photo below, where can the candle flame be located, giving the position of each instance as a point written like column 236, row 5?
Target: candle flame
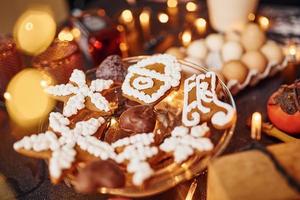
column 145, row 17
column 256, row 123
column 200, row 24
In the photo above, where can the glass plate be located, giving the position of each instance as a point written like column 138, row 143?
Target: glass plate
column 174, row 174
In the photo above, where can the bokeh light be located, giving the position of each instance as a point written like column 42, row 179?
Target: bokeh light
column 191, row 6
column 186, row 37
column 34, row 31
column 26, row 100
column 65, row 35
column 172, row 3
column 126, row 16
column 264, row 22
column 163, row 18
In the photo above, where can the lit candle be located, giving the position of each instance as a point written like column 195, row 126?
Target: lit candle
column 200, row 24
column 191, row 6
column 256, row 122
column 263, row 22
column 163, row 18
column 186, row 37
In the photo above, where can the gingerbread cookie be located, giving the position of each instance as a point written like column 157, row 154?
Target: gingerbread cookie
column 61, row 141
column 150, row 79
column 78, row 94
column 201, row 103
column 184, row 141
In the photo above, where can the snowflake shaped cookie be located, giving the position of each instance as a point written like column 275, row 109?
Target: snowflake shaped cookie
column 61, row 141
column 137, row 150
column 150, row 79
column 77, row 94
column 184, row 141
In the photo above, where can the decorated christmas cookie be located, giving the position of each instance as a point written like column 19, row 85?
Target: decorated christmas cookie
column 61, row 141
column 201, row 103
column 78, row 94
column 150, row 79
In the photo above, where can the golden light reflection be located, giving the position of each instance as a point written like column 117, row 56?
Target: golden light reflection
column 126, row 16
column 163, row 18
column 186, row 37
column 200, row 24
column 264, row 22
column 251, row 16
column 292, row 50
column 34, row 31
column 191, row 6
column 172, row 3
column 26, row 101
column 76, row 32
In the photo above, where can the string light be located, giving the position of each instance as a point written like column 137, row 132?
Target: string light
column 251, row 17
column 191, row 6
column 200, row 24
column 186, row 37
column 65, row 35
column 172, row 3
column 163, row 18
column 264, row 22
column 127, row 16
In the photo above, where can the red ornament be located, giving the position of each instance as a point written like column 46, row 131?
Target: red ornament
column 10, row 62
column 59, row 60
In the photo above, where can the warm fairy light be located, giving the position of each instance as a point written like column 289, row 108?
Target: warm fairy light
column 7, row 96
column 127, row 16
column 251, row 17
column 200, row 24
column 34, row 31
column 191, row 6
column 292, row 50
column 145, row 18
column 65, row 35
column 172, row 3
column 186, row 37
column 263, row 22
column 163, row 18
column 75, row 32
column 256, row 123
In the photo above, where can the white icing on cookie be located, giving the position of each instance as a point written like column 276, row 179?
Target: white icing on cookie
column 80, row 91
column 142, row 83
column 63, row 146
column 137, row 150
column 170, row 78
column 184, row 141
column 205, row 93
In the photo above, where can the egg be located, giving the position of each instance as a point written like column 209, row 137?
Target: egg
column 253, row 37
column 232, row 36
column 178, row 52
column 214, row 60
column 255, row 60
column 273, row 52
column 235, row 70
column 197, row 49
column 232, row 50
column 214, row 41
